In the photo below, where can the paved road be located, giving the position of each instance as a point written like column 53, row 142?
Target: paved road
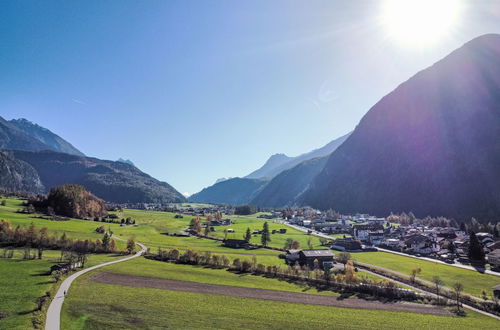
column 486, row 271
column 53, row 319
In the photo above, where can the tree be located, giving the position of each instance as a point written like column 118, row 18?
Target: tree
column 196, row 225
column 130, row 245
column 56, row 275
column 350, row 273
column 476, row 253
column 207, row 228
column 225, row 233
column 105, row 242
column 343, row 258
column 438, row 282
column 112, row 246
column 296, row 245
column 248, row 235
column 266, row 236
column 309, row 243
column 458, row 288
column 288, row 243
column 414, row 273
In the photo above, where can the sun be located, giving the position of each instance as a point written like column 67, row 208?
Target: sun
column 420, row 23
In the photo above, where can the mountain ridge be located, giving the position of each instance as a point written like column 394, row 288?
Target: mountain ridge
column 430, row 146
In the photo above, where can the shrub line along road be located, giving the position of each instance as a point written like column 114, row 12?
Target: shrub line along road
column 53, row 319
column 399, row 274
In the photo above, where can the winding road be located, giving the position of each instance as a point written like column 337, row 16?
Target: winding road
column 53, row 320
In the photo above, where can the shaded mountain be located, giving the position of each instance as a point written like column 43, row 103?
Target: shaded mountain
column 432, row 146
column 11, row 137
column 18, row 176
column 112, row 181
column 280, row 162
column 235, row 191
column 269, row 169
column 286, row 187
column 50, row 140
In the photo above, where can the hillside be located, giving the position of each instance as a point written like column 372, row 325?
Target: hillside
column 16, row 175
column 50, row 140
column 235, row 191
column 286, row 187
column 112, row 181
column 432, row 146
column 280, row 162
column 11, row 137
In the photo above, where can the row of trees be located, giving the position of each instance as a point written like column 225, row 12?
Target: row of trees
column 40, row 239
column 346, row 280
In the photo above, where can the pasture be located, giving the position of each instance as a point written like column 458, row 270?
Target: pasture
column 472, row 281
column 104, row 306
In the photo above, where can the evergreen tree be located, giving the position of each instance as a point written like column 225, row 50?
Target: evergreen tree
column 248, row 235
column 476, row 252
column 266, row 236
column 105, row 241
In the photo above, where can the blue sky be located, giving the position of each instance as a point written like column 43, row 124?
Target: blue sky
column 192, row 91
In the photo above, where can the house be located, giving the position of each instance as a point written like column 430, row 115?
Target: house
column 494, row 258
column 376, row 221
column 392, row 243
column 236, row 243
column 496, row 290
column 421, row 244
column 324, row 258
column 485, row 238
column 362, row 232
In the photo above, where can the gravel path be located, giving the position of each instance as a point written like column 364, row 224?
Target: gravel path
column 53, row 319
column 232, row 291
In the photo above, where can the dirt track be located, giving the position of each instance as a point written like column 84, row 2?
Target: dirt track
column 232, row 291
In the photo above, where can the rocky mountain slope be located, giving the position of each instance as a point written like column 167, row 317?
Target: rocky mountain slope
column 235, row 191
column 281, row 162
column 432, row 146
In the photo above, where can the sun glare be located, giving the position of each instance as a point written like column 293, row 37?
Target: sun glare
column 420, row 23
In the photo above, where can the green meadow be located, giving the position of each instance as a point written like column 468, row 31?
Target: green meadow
column 200, row 274
column 103, row 306
column 472, row 281
column 74, row 228
column 23, row 281
column 241, row 223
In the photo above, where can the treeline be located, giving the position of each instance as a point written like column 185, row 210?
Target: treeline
column 70, row 201
column 40, row 239
column 245, row 210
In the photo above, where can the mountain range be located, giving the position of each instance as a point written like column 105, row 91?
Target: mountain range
column 277, row 183
column 33, row 159
column 280, row 162
column 431, row 146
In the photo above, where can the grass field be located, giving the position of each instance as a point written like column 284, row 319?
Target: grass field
column 241, row 223
column 103, row 306
column 23, row 281
column 200, row 274
column 473, row 282
column 74, row 228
